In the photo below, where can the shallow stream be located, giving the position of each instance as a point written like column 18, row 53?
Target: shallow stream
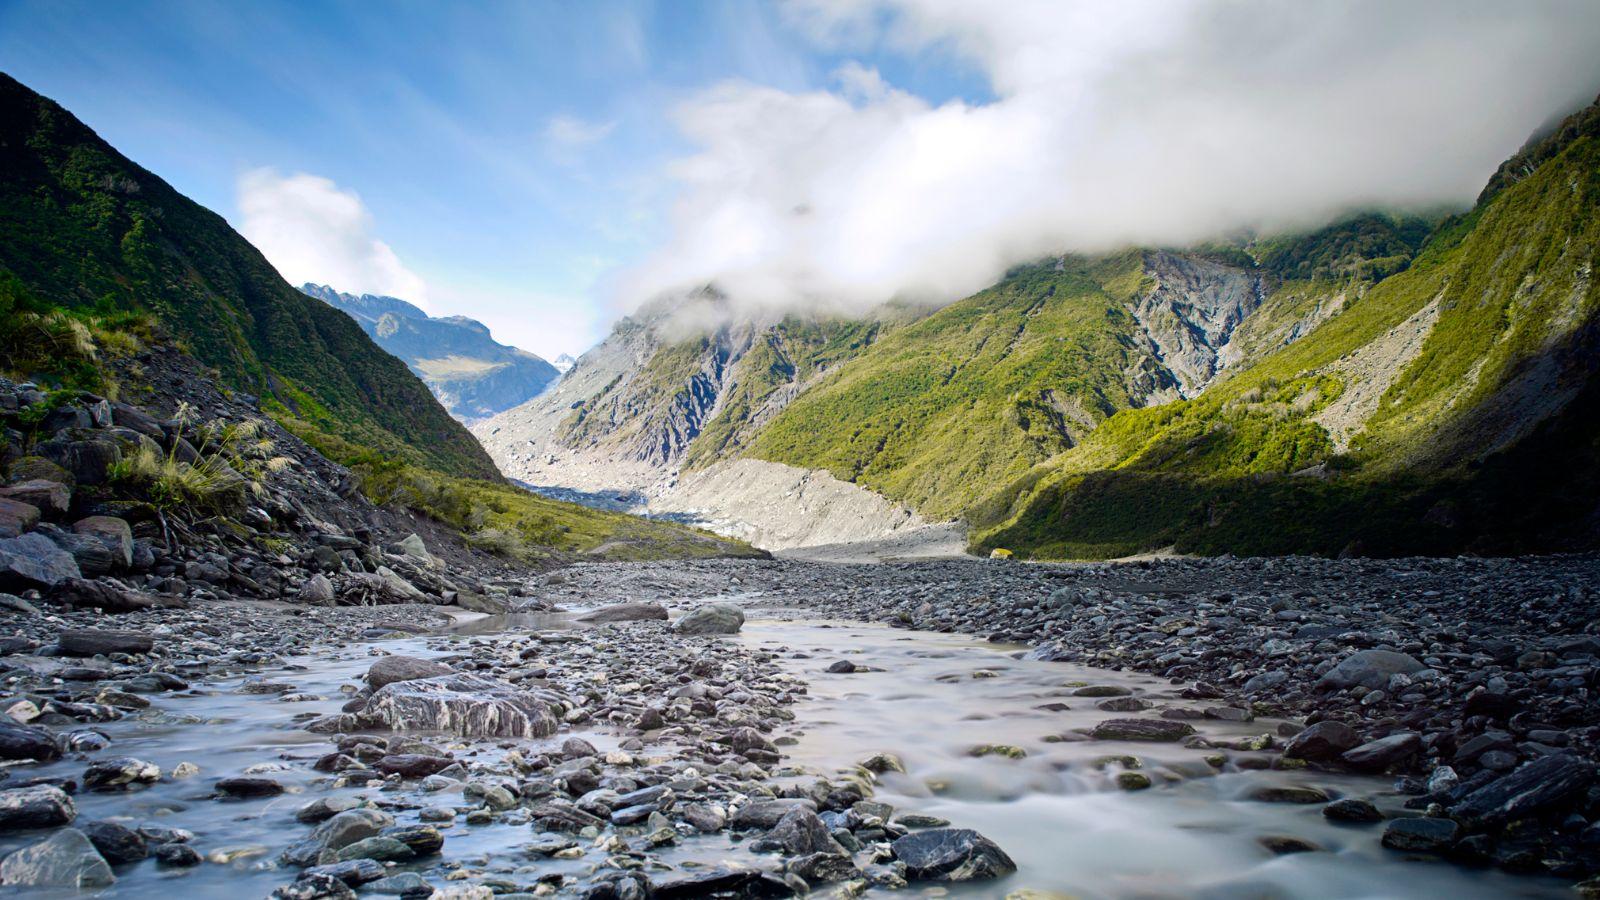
column 930, row 699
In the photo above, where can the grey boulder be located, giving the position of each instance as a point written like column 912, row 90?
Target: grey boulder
column 951, row 854
column 1370, row 669
column 65, row 859
column 713, row 618
column 394, row 669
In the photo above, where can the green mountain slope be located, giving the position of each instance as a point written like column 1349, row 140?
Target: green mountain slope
column 1450, row 407
column 83, row 227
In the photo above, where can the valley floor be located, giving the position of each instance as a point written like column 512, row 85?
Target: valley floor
column 1298, row 727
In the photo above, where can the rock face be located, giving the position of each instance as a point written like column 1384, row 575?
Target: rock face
column 1370, row 669
column 393, row 669
column 66, row 859
column 951, row 854
column 40, row 806
column 466, row 705
column 627, row 612
column 713, row 618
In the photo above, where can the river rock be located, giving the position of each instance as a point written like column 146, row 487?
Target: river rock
column 1545, row 784
column 461, row 704
column 117, row 844
column 40, row 806
column 628, row 612
column 65, row 859
column 95, row 641
column 801, row 832
column 413, row 765
column 1420, row 835
column 118, row 774
column 317, row 591
column 1321, row 742
column 24, row 742
column 1375, row 756
column 951, row 854
column 713, row 618
column 1370, row 669
column 1158, row 730
column 394, row 669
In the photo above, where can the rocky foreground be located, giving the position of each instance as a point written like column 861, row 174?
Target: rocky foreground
column 641, row 754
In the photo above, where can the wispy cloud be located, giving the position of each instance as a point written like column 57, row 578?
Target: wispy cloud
column 312, row 230
column 569, row 132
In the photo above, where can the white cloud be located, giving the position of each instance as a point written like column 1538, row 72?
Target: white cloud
column 1112, row 124
column 311, row 230
column 569, row 132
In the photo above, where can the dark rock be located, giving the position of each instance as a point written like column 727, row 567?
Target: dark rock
column 1545, row 784
column 1420, row 835
column 1352, row 809
column 120, row 773
column 951, row 854
column 24, row 742
column 34, row 561
column 118, row 844
column 413, row 765
column 16, row 517
column 247, row 787
column 95, row 641
column 176, row 856
column 1375, row 756
column 801, row 832
column 1321, row 742
column 735, row 884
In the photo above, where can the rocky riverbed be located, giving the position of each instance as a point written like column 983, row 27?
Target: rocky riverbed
column 1173, row 728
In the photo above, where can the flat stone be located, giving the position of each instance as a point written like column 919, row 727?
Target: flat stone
column 1155, row 730
column 627, row 612
column 1321, row 742
column 34, row 561
column 1375, row 756
column 95, row 641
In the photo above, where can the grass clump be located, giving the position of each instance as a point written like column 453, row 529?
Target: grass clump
column 230, row 464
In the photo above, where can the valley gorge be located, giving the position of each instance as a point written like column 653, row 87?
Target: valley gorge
column 1260, row 567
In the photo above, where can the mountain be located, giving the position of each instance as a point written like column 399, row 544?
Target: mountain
column 1385, row 385
column 563, row 363
column 83, row 227
column 471, row 373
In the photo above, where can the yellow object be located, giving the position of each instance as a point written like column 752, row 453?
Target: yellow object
column 999, row 553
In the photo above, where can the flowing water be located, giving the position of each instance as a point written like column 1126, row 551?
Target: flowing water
column 935, row 697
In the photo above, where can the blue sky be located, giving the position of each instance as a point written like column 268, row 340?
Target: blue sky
column 510, row 153
column 541, row 165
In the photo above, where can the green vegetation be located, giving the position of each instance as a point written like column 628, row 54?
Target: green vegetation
column 65, row 348
column 94, row 235
column 1487, row 440
column 940, row 411
column 231, row 464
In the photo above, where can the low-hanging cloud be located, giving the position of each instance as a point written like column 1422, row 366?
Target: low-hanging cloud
column 312, row 230
column 1112, row 124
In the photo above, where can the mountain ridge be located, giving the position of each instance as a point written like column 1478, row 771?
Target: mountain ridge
column 471, row 373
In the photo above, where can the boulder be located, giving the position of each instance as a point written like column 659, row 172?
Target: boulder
column 65, row 859
column 40, row 806
column 482, row 603
column 118, row 774
column 801, row 832
column 765, row 814
column 23, row 742
column 461, row 704
column 94, row 641
column 16, row 517
column 393, row 669
column 713, row 618
column 1370, row 669
column 34, row 561
column 1321, row 742
column 81, row 593
column 411, row 545
column 111, row 531
column 951, row 854
column 627, row 612
column 88, row 461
